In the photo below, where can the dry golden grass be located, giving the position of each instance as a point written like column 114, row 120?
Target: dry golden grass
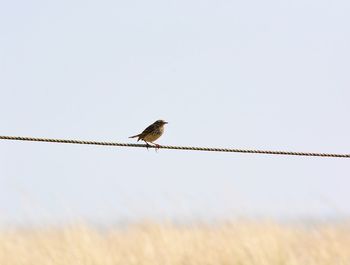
column 240, row 243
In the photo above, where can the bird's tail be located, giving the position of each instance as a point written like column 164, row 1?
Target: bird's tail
column 137, row 135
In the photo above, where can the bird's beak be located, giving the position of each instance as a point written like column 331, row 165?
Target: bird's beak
column 165, row 122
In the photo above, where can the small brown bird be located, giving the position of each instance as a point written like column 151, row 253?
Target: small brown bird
column 152, row 132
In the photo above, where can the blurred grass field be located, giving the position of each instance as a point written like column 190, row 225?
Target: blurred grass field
column 241, row 243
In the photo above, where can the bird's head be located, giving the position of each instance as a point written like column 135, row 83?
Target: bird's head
column 160, row 122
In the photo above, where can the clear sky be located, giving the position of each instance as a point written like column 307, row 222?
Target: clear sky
column 268, row 74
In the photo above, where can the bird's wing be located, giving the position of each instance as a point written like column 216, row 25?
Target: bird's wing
column 148, row 130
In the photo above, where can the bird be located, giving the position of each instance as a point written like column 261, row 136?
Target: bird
column 151, row 133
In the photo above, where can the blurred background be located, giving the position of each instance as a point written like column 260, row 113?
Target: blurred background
column 238, row 74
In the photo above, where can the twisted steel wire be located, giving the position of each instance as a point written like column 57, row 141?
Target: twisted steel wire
column 189, row 148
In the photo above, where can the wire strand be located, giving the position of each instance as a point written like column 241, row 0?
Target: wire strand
column 188, row 148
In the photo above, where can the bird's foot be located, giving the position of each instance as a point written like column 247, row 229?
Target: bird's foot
column 157, row 146
column 147, row 145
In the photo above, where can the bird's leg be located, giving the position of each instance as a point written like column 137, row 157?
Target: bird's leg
column 147, row 145
column 157, row 146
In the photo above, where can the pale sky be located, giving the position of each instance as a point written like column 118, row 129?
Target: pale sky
column 241, row 74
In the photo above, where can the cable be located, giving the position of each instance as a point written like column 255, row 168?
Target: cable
column 189, row 148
